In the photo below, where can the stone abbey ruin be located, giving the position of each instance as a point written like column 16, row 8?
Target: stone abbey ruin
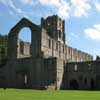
column 47, row 62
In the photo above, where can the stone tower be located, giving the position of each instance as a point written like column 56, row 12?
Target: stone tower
column 53, row 46
column 55, row 27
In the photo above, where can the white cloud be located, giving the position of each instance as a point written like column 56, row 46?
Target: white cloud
column 76, row 8
column 12, row 7
column 97, row 5
column 18, row 10
column 64, row 8
column 50, row 2
column 97, row 26
column 80, row 7
column 27, row 2
column 61, row 6
column 93, row 33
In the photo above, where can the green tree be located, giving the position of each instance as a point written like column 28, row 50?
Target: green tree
column 3, row 49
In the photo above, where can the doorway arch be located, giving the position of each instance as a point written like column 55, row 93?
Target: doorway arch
column 74, row 84
column 92, row 84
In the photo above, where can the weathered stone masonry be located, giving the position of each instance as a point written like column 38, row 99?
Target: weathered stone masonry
column 47, row 63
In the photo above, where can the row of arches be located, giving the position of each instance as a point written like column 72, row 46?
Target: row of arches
column 74, row 84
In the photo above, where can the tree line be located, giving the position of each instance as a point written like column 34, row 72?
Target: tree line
column 3, row 49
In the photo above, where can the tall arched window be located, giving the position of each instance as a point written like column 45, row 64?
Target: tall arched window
column 24, row 43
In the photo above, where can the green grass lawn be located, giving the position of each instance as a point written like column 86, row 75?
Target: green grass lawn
column 17, row 94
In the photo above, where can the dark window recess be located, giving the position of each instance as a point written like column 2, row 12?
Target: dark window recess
column 21, row 47
column 85, row 81
column 56, row 46
column 49, row 43
column 59, row 34
column 63, row 49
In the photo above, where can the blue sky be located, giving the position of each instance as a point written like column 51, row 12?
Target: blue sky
column 82, row 19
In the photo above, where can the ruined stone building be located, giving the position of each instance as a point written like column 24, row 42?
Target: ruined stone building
column 47, row 62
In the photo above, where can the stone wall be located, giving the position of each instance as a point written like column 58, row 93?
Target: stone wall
column 51, row 48
column 75, row 55
column 47, row 67
column 81, row 75
column 54, row 46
